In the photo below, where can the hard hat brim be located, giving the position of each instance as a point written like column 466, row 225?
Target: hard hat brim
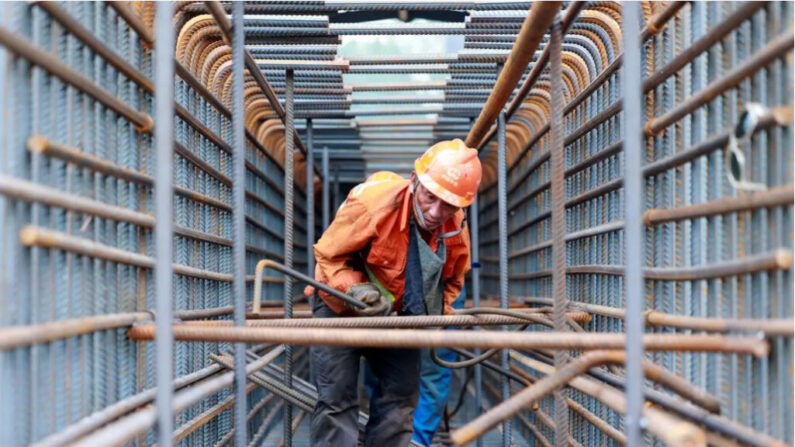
column 442, row 193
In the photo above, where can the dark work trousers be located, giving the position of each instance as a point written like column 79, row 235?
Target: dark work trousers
column 335, row 373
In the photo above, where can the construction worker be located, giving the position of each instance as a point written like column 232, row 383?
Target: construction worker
column 399, row 245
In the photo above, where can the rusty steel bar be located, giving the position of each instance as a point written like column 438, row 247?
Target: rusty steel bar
column 271, row 384
column 36, row 56
column 21, row 189
column 297, row 64
column 268, row 263
column 535, row 26
column 224, row 24
column 685, row 435
column 653, row 27
column 776, row 48
column 597, row 422
column 716, row 34
column 112, row 412
column 206, row 416
column 572, row 11
column 13, row 337
column 677, row 384
column 660, row 423
column 44, row 237
column 133, row 20
column 781, row 116
column 775, row 196
column 392, row 322
column 780, row 259
column 605, row 393
column 770, row 327
column 19, row 336
column 125, row 430
column 278, row 314
column 40, row 145
column 408, row 338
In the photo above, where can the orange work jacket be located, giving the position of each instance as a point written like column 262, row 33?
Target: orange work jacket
column 372, row 228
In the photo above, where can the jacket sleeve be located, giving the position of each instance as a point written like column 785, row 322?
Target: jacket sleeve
column 351, row 230
column 459, row 257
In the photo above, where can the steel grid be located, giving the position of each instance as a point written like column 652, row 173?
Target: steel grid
column 77, row 196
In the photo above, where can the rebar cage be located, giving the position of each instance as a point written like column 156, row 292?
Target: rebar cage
column 78, row 212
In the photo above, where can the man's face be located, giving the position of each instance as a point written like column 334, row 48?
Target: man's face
column 435, row 211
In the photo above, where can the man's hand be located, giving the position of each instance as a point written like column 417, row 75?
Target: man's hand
column 369, row 294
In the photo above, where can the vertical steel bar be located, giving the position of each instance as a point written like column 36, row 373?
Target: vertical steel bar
column 633, row 193
column 164, row 227
column 310, row 199
column 474, row 232
column 502, row 205
column 337, row 198
column 325, row 188
column 337, row 193
column 239, row 224
column 289, row 130
column 558, row 212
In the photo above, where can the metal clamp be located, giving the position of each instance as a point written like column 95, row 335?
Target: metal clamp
column 735, row 159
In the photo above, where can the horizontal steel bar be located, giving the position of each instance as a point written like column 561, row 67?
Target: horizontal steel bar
column 314, row 8
column 771, row 327
column 780, row 259
column 85, row 425
column 125, row 430
column 778, row 47
column 684, row 435
column 415, row 338
column 775, row 196
column 24, row 49
column 47, row 238
column 131, row 17
column 393, row 322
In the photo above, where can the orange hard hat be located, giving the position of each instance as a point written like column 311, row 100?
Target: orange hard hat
column 451, row 171
column 382, row 176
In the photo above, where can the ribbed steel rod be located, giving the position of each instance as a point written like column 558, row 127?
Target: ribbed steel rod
column 164, row 227
column 547, row 385
column 558, row 217
column 778, row 47
column 779, row 259
column 775, row 196
column 44, row 237
column 412, row 322
column 770, row 327
column 23, row 48
column 236, row 39
column 410, row 338
column 774, row 116
column 634, row 230
column 289, row 133
column 126, row 429
column 538, row 67
column 603, row 391
column 533, row 29
column 108, row 414
column 289, row 271
column 656, row 24
column 321, row 7
column 218, row 13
